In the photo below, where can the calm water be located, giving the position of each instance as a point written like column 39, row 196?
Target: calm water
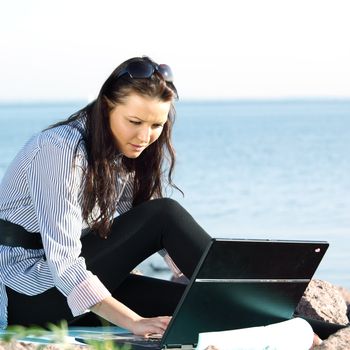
column 272, row 169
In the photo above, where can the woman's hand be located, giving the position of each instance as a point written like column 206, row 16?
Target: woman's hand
column 119, row 314
column 148, row 326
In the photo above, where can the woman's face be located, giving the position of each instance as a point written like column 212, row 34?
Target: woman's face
column 137, row 122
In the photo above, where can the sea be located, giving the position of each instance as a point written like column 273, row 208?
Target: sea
column 261, row 169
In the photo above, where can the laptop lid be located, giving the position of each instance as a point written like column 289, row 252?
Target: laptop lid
column 242, row 283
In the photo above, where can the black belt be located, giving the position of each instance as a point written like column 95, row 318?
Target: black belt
column 14, row 235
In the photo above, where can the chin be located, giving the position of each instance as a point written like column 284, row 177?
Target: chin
column 132, row 155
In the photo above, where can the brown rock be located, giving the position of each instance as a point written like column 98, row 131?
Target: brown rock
column 346, row 295
column 323, row 301
column 14, row 345
column 337, row 341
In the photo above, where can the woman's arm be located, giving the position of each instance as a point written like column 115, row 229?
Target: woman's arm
column 54, row 184
column 55, row 174
column 117, row 313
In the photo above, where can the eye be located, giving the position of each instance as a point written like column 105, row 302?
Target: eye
column 156, row 126
column 134, row 122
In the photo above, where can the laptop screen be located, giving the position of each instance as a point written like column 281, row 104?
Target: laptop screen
column 244, row 283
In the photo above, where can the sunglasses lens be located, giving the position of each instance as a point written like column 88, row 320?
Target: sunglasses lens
column 145, row 69
column 140, row 69
column 166, row 72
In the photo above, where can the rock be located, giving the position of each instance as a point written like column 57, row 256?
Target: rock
column 13, row 345
column 323, row 301
column 337, row 341
column 346, row 295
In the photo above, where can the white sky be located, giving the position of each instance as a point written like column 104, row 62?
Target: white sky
column 65, row 49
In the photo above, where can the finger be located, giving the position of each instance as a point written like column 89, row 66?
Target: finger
column 155, row 325
column 160, row 321
column 162, row 324
column 154, row 330
column 154, row 335
column 165, row 319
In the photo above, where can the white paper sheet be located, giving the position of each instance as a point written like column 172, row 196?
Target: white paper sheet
column 294, row 334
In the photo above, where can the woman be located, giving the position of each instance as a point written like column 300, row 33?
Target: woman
column 77, row 216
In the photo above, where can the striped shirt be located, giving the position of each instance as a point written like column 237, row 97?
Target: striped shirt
column 42, row 192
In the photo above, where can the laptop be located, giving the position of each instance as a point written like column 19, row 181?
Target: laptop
column 238, row 283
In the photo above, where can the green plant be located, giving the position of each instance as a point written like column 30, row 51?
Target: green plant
column 14, row 333
column 54, row 334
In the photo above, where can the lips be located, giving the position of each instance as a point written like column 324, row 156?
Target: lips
column 137, row 146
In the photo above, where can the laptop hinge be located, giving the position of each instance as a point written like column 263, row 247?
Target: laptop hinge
column 182, row 347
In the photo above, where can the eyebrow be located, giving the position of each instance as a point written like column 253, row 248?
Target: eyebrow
column 156, row 122
column 134, row 116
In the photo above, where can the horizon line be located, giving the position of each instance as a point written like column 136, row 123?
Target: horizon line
column 35, row 102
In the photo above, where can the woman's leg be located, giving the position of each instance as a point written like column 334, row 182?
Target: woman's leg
column 48, row 307
column 139, row 233
column 148, row 296
column 322, row 328
column 157, row 298
column 135, row 235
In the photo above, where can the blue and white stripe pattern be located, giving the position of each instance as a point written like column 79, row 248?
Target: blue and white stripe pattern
column 41, row 191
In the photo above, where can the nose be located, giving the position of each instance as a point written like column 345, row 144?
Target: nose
column 144, row 134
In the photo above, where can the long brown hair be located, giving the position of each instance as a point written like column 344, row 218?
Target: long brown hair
column 149, row 168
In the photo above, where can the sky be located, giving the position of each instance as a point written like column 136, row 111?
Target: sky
column 60, row 50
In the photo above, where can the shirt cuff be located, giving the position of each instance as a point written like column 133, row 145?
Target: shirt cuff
column 87, row 294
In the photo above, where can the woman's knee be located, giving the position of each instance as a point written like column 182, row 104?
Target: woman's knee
column 166, row 201
column 168, row 206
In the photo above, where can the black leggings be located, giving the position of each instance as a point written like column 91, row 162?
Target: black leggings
column 135, row 235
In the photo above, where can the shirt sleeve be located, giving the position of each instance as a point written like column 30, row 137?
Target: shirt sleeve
column 54, row 180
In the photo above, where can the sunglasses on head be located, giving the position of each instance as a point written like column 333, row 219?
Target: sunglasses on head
column 145, row 69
